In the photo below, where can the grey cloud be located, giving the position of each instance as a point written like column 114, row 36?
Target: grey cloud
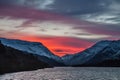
column 62, row 51
column 73, row 7
column 69, row 7
column 58, row 50
column 36, row 4
column 100, row 11
column 102, row 17
column 11, row 2
column 43, row 30
column 110, row 14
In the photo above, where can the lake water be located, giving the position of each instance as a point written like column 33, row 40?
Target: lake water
column 66, row 73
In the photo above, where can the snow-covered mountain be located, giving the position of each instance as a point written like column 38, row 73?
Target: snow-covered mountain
column 101, row 51
column 30, row 47
column 13, row 60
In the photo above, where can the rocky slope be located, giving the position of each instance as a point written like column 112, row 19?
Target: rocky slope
column 13, row 60
column 36, row 48
column 100, row 53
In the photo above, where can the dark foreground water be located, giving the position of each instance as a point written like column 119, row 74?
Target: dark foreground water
column 66, row 73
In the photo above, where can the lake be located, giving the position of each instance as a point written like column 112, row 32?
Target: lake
column 67, row 73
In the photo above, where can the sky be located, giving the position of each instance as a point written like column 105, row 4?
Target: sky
column 63, row 26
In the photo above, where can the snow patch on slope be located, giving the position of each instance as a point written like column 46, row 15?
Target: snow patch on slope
column 30, row 47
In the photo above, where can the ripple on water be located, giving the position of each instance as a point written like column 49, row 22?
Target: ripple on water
column 66, row 73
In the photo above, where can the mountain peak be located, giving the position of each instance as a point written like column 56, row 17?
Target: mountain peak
column 30, row 47
column 13, row 60
column 110, row 48
column 102, row 50
column 20, row 41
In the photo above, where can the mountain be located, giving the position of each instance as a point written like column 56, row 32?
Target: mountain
column 34, row 48
column 13, row 60
column 109, row 53
column 101, row 53
column 31, row 47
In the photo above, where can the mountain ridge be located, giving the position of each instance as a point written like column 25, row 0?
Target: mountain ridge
column 96, row 49
column 13, row 60
column 30, row 47
column 86, row 57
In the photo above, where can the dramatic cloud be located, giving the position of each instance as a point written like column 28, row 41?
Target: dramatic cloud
column 55, row 28
column 85, row 23
column 100, row 11
column 109, row 15
column 37, row 4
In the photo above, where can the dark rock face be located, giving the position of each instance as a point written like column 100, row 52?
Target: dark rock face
column 106, row 63
column 12, row 60
column 38, row 49
column 50, row 61
column 109, row 63
column 109, row 56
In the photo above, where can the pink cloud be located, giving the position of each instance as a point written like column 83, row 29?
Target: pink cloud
column 59, row 45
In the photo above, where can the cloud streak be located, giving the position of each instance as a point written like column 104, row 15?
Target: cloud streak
column 109, row 14
column 62, row 35
column 103, row 12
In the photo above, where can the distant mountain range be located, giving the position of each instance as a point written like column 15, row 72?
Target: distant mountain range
column 17, row 55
